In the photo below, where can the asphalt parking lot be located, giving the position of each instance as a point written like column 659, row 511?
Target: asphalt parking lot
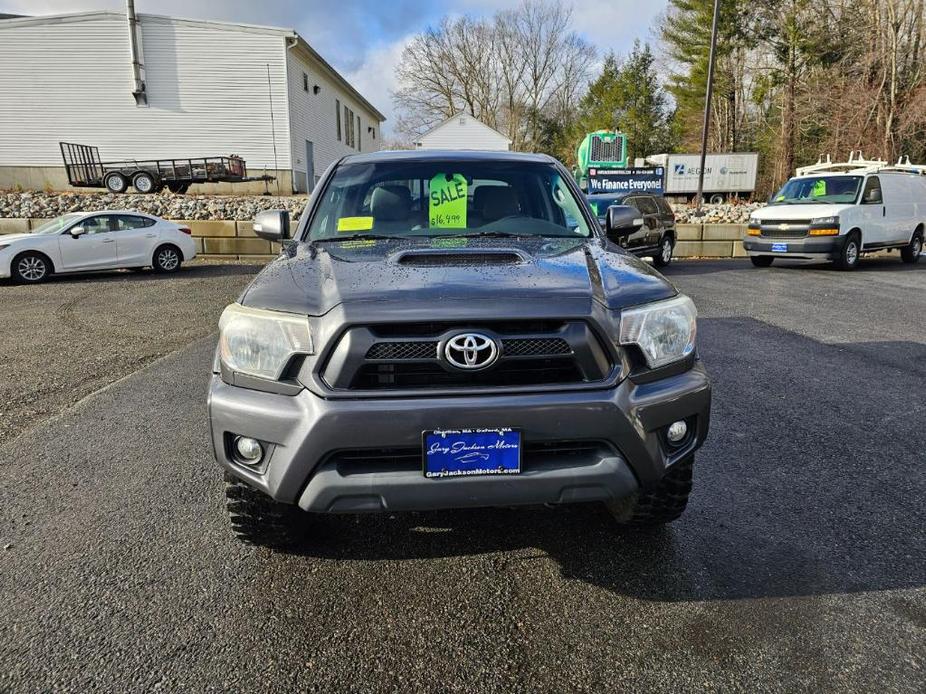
column 800, row 564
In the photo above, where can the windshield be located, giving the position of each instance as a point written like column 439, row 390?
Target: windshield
column 53, row 226
column 818, row 189
column 447, row 199
column 601, row 205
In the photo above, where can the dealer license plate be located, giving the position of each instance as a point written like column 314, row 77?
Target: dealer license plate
column 779, row 248
column 463, row 452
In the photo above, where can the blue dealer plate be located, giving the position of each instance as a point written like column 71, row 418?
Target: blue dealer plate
column 456, row 453
column 779, row 248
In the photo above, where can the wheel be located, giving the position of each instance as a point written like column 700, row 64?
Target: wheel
column 911, row 252
column 716, row 199
column 850, row 253
column 166, row 259
column 664, row 256
column 177, row 188
column 144, row 182
column 256, row 519
column 115, row 182
column 762, row 260
column 31, row 267
column 663, row 504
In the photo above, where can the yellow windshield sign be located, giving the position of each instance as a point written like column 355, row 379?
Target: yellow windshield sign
column 819, row 188
column 355, row 223
column 447, row 202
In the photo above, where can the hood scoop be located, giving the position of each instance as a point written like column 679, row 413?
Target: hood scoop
column 443, row 257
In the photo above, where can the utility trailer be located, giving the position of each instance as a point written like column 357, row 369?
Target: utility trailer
column 86, row 170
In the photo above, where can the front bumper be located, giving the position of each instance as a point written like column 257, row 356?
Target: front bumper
column 812, row 247
column 304, row 433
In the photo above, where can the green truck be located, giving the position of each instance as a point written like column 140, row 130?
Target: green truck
column 602, row 149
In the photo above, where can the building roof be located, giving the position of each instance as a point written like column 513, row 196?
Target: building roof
column 456, row 115
column 12, row 21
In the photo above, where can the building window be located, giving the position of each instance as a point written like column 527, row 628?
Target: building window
column 305, row 82
column 347, row 126
column 358, row 133
column 337, row 116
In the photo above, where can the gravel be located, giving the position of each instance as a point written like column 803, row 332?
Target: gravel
column 245, row 207
column 71, row 336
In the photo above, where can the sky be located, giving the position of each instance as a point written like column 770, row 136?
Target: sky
column 363, row 39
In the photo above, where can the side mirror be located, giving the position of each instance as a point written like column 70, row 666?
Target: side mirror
column 272, row 225
column 78, row 231
column 623, row 220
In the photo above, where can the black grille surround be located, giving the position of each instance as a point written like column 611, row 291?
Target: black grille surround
column 400, row 358
column 785, row 228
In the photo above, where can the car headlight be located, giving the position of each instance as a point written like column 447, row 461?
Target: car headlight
column 261, row 343
column 664, row 330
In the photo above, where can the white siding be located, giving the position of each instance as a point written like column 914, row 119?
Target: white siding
column 312, row 117
column 207, row 91
column 463, row 132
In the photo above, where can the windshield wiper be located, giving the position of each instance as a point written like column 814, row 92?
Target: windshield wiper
column 486, row 234
column 360, row 237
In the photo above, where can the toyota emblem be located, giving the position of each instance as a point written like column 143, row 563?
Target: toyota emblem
column 471, row 351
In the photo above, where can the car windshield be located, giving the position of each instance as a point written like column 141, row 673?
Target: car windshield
column 601, row 205
column 818, row 189
column 53, row 226
column 447, row 199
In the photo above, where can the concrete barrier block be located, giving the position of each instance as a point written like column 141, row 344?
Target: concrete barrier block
column 14, row 225
column 246, row 229
column 724, row 232
column 36, row 222
column 199, row 244
column 236, row 246
column 738, row 250
column 688, row 232
column 704, row 249
column 209, row 228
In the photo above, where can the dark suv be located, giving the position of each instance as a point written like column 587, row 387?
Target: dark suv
column 656, row 238
column 454, row 329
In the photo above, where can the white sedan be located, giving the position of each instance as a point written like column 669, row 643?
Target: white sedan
column 82, row 241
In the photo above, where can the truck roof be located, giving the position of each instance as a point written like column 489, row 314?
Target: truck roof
column 426, row 155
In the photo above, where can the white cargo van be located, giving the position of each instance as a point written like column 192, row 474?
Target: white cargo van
column 839, row 211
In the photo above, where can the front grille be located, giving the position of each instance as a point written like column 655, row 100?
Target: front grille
column 606, row 151
column 406, row 356
column 534, row 454
column 785, row 229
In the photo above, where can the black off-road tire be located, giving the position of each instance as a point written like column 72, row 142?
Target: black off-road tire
column 911, row 252
column 762, row 260
column 661, row 505
column 664, row 255
column 850, row 253
column 258, row 520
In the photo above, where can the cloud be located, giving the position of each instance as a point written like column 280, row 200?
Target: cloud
column 375, row 77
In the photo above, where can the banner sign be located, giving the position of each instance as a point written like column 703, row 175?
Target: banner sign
column 640, row 180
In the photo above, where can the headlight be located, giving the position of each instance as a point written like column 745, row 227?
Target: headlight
column 825, row 220
column 664, row 331
column 260, row 343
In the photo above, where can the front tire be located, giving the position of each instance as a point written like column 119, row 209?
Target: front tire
column 31, row 268
column 664, row 255
column 256, row 519
column 851, row 252
column 661, row 505
column 762, row 260
column 911, row 252
column 144, row 183
column 166, row 259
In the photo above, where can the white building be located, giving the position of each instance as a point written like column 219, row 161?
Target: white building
column 462, row 131
column 205, row 89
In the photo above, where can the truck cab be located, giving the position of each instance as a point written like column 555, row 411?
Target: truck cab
column 838, row 215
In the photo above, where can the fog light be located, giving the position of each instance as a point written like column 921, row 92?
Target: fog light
column 248, row 450
column 677, row 432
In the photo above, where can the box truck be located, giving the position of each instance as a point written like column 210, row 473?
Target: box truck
column 725, row 175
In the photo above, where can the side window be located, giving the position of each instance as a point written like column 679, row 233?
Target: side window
column 647, row 205
column 872, row 193
column 663, row 206
column 125, row 222
column 632, row 202
column 97, row 225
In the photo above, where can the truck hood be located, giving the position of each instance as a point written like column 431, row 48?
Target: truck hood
column 797, row 212
column 314, row 278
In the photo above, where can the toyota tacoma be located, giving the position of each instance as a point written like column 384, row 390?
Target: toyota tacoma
column 447, row 330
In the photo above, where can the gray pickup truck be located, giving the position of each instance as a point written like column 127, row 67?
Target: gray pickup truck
column 453, row 329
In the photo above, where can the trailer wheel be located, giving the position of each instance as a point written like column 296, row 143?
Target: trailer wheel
column 144, row 182
column 115, row 182
column 717, row 199
column 178, row 188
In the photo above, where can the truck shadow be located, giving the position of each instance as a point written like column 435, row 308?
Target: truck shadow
column 810, row 483
column 186, row 272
